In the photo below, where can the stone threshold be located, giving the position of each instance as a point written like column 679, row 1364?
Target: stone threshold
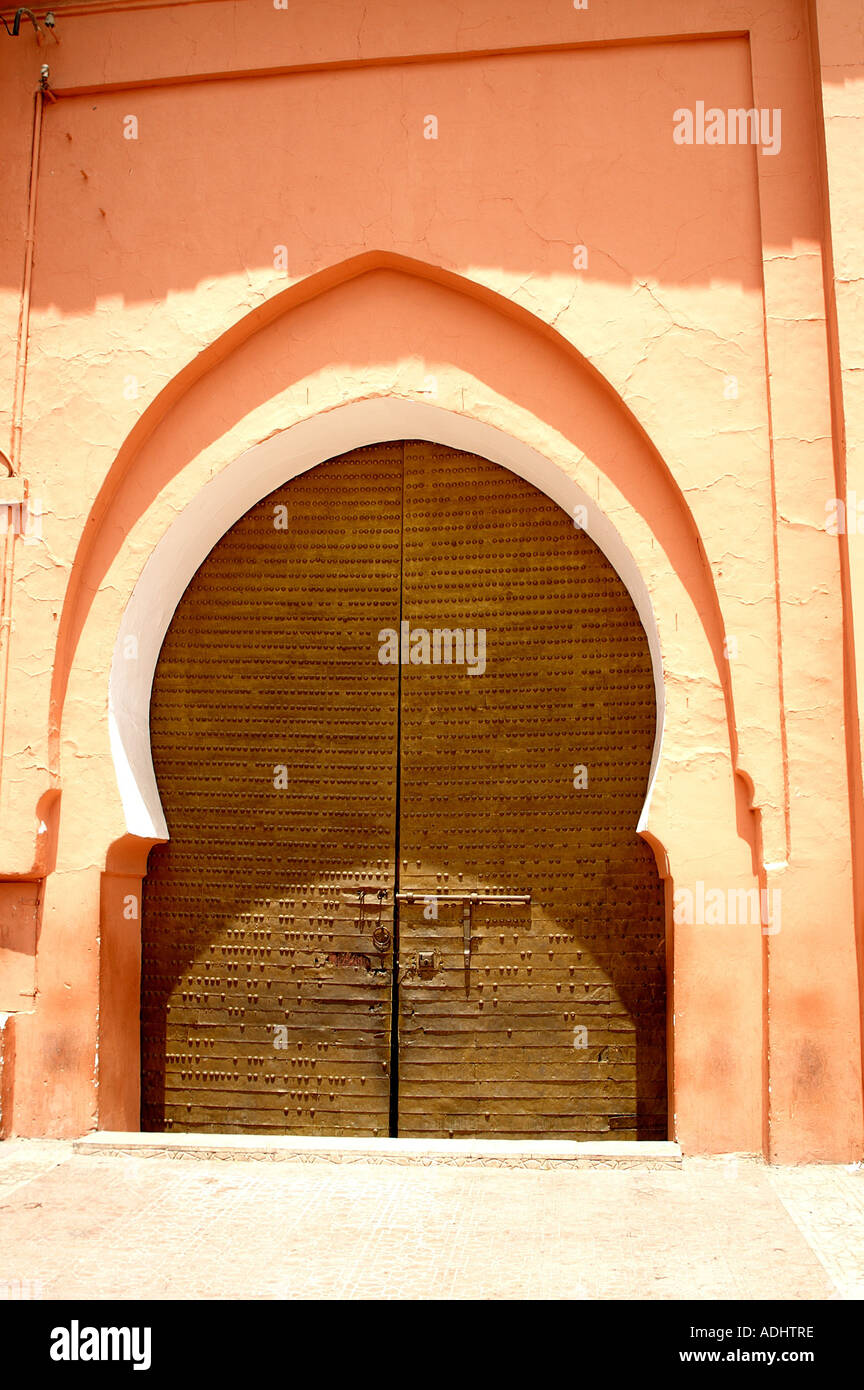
column 479, row 1153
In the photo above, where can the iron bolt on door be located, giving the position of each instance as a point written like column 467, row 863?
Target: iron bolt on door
column 468, row 902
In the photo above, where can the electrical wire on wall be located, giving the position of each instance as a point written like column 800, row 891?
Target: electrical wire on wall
column 23, row 13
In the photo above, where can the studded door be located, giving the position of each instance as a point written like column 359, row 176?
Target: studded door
column 325, row 667
column 543, row 1019
column 266, row 1006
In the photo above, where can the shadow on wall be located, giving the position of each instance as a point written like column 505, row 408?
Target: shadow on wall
column 529, row 159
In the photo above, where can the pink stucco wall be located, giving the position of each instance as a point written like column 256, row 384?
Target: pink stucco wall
column 245, row 220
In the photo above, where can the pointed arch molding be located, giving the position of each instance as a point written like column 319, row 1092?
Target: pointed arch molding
column 337, row 362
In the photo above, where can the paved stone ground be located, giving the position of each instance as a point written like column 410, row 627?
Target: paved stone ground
column 91, row 1226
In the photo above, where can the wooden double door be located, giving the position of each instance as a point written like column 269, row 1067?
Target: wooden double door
column 402, row 724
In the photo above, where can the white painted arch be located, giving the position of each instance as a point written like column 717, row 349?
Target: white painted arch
column 251, row 477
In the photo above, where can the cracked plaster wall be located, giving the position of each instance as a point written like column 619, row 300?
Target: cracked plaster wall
column 704, row 267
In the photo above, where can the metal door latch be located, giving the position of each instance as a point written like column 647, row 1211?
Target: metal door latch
column 381, row 939
column 469, row 901
column 414, row 895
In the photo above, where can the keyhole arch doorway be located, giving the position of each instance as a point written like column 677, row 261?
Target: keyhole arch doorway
column 304, row 774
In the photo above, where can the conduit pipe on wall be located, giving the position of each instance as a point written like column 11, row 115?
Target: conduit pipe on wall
column 39, row 97
column 838, row 417
column 24, row 311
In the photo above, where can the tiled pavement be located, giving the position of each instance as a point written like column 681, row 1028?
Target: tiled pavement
column 97, row 1226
